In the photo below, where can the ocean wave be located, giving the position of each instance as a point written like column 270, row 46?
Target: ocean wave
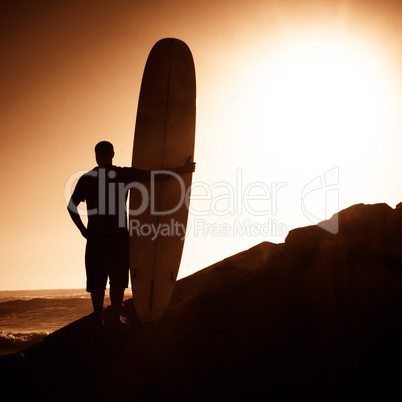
column 41, row 315
column 10, row 295
column 12, row 305
column 10, row 342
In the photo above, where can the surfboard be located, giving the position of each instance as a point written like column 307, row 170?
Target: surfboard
column 164, row 138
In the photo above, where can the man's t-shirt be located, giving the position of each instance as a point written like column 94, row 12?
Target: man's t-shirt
column 105, row 191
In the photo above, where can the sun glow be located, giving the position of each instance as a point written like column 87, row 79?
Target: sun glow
column 325, row 100
column 315, row 102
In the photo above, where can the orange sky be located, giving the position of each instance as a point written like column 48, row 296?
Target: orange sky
column 71, row 73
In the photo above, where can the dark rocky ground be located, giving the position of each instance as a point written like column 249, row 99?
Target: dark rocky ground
column 317, row 317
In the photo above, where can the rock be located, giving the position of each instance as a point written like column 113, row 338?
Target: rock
column 307, row 239
column 359, row 219
column 315, row 317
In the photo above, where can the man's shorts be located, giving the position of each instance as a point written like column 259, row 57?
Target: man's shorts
column 107, row 256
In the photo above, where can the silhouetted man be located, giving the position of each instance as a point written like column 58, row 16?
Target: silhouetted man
column 105, row 189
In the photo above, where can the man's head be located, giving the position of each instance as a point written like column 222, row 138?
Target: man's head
column 104, row 153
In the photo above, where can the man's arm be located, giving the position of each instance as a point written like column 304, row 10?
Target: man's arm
column 75, row 216
column 145, row 175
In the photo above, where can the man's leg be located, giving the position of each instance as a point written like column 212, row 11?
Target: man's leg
column 116, row 298
column 97, row 296
column 118, row 274
column 96, row 277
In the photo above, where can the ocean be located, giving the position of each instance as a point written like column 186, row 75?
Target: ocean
column 27, row 316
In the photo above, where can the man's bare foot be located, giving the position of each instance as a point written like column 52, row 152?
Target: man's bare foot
column 119, row 324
